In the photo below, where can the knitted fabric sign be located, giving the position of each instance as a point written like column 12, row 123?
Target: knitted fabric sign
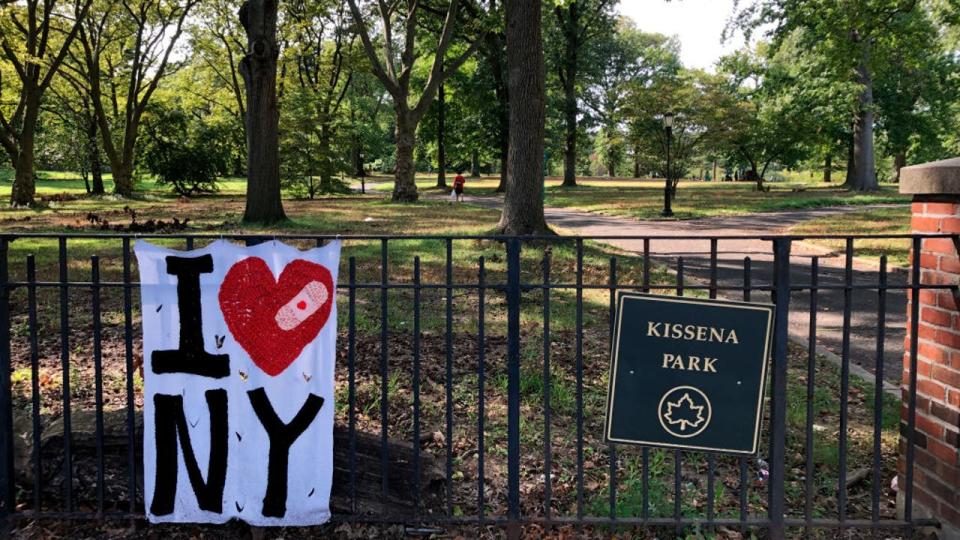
column 239, row 349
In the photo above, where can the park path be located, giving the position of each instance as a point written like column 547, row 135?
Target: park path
column 695, row 250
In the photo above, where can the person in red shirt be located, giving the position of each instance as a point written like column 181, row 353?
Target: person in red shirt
column 458, row 183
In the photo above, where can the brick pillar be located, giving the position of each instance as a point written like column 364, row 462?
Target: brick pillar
column 936, row 209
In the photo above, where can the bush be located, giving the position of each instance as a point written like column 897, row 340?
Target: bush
column 186, row 155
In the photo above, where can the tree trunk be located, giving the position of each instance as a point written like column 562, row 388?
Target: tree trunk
column 570, row 143
column 636, row 162
column 123, row 180
column 504, row 154
column 85, row 175
column 475, row 163
column 24, row 189
column 570, row 68
column 523, row 204
column 405, row 186
column 827, row 168
column 326, row 163
column 96, row 167
column 714, row 170
column 24, row 183
column 899, row 162
column 324, row 160
column 502, row 92
column 93, row 152
column 504, row 118
column 441, row 149
column 864, row 172
column 611, row 169
column 848, row 181
column 259, row 71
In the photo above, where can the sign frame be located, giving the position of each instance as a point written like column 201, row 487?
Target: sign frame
column 623, row 296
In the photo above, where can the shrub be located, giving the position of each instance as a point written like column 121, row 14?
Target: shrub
column 186, row 155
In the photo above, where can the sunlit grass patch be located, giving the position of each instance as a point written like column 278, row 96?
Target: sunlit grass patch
column 644, row 199
column 872, row 221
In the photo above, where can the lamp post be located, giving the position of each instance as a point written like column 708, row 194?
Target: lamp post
column 362, row 173
column 667, row 188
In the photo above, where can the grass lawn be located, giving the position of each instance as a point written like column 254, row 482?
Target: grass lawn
column 70, row 183
column 371, row 214
column 643, row 198
column 872, row 221
column 639, row 199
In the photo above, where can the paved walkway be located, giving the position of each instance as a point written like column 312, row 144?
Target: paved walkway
column 695, row 250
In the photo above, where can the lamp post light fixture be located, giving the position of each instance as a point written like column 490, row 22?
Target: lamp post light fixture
column 667, row 187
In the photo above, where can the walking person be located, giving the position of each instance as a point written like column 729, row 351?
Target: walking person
column 458, row 183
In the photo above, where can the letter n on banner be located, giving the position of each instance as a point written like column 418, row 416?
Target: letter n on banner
column 239, row 346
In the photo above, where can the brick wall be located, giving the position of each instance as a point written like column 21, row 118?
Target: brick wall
column 937, row 463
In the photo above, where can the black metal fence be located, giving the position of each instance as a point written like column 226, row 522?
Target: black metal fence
column 471, row 380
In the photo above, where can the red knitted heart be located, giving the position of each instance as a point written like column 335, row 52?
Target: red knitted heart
column 273, row 320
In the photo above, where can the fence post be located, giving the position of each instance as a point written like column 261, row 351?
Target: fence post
column 929, row 458
column 6, row 404
column 776, row 507
column 513, row 387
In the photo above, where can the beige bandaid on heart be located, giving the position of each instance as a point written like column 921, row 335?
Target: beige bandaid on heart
column 302, row 306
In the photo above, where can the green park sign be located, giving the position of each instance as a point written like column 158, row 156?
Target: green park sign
column 688, row 373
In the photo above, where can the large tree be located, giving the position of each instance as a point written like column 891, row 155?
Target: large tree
column 695, row 101
column 126, row 52
column 916, row 88
column 259, row 71
column 72, row 107
column 580, row 23
column 523, row 205
column 853, row 35
column 626, row 59
column 34, row 37
column 495, row 54
column 217, row 44
column 395, row 73
column 366, row 115
column 764, row 118
column 471, row 126
column 320, row 48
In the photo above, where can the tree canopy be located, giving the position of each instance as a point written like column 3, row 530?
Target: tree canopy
column 863, row 87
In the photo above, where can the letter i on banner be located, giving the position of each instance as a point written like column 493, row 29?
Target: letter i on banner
column 239, row 348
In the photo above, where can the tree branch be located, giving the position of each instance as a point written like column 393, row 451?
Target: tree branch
column 389, row 84
column 54, row 65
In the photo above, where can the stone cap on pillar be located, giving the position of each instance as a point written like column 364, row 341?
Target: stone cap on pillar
column 933, row 178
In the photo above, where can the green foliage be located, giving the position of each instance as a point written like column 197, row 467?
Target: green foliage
column 304, row 155
column 915, row 89
column 695, row 100
column 892, row 58
column 187, row 155
column 470, row 118
column 787, row 102
column 761, row 118
column 628, row 60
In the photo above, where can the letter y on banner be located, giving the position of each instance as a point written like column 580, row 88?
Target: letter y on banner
column 239, row 345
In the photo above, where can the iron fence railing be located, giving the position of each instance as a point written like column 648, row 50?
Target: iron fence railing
column 486, row 376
